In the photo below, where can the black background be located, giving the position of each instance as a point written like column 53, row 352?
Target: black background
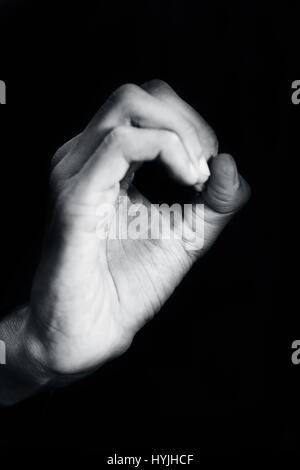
column 213, row 369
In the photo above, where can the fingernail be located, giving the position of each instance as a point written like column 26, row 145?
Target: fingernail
column 230, row 169
column 194, row 156
column 199, row 187
column 193, row 171
column 203, row 170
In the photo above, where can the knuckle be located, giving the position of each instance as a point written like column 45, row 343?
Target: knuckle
column 117, row 136
column 172, row 140
column 157, row 86
column 126, row 93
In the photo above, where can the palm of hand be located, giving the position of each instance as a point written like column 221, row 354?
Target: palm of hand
column 119, row 284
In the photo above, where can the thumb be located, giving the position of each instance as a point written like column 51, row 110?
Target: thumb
column 226, row 190
column 225, row 193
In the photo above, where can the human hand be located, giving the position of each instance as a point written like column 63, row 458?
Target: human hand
column 92, row 294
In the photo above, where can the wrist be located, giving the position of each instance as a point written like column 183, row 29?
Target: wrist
column 41, row 367
column 23, row 374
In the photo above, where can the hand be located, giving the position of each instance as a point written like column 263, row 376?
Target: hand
column 91, row 294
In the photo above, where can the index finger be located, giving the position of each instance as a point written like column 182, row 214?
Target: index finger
column 206, row 135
